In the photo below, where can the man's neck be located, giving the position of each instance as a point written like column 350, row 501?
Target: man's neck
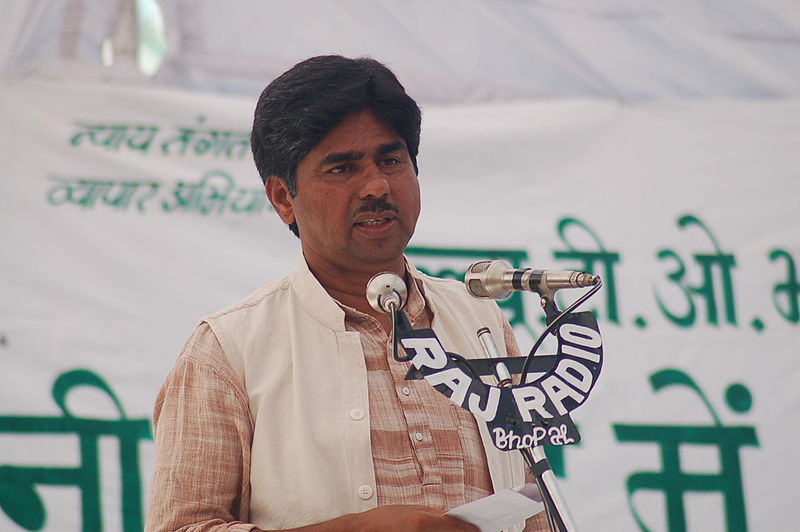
column 349, row 287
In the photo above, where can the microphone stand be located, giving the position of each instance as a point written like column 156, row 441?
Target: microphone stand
column 558, row 515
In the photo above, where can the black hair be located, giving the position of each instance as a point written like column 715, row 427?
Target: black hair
column 301, row 106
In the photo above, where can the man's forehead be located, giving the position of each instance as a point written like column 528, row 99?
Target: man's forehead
column 358, row 134
column 355, row 155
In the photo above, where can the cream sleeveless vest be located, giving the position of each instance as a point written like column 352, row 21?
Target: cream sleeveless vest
column 304, row 374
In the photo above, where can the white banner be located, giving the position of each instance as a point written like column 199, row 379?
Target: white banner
column 129, row 213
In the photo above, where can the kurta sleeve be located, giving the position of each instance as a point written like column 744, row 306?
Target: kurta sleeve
column 203, row 435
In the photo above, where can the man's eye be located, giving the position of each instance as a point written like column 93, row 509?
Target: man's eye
column 391, row 161
column 340, row 169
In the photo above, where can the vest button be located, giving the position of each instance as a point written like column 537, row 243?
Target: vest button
column 357, row 414
column 365, row 491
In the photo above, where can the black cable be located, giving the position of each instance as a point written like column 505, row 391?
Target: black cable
column 523, row 377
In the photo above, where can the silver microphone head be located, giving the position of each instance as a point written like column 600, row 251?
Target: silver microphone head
column 484, row 279
column 386, row 289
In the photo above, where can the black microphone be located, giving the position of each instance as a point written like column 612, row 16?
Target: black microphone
column 496, row 279
column 386, row 290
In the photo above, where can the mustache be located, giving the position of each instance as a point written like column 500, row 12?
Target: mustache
column 377, row 205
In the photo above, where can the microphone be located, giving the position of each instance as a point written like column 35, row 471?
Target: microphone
column 386, row 290
column 496, row 279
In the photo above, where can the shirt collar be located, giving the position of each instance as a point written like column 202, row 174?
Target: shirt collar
column 332, row 314
column 415, row 302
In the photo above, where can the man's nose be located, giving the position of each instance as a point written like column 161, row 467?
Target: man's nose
column 375, row 183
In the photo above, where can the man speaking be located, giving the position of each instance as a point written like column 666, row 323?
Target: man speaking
column 287, row 410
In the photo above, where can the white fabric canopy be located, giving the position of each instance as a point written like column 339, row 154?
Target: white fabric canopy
column 444, row 51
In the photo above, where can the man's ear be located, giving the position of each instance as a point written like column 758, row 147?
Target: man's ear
column 281, row 200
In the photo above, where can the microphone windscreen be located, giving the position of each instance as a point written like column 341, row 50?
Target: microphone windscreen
column 476, row 289
column 476, row 283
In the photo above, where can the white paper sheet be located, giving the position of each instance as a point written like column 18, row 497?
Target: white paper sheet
column 501, row 510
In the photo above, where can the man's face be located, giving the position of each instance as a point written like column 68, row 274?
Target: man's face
column 357, row 199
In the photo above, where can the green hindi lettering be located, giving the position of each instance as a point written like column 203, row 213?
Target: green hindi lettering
column 115, row 136
column 789, row 290
column 718, row 262
column 88, row 193
column 671, row 479
column 591, row 261
column 202, row 141
column 204, row 196
column 19, row 498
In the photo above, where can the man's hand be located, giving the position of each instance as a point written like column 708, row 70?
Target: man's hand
column 408, row 518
